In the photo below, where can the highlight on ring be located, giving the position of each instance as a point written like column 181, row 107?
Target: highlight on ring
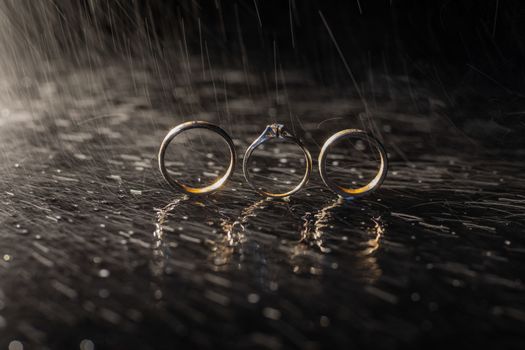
column 277, row 132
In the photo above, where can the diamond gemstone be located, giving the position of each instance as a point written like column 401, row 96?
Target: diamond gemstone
column 276, row 129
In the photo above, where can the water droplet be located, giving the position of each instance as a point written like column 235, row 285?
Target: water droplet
column 271, row 313
column 274, row 286
column 158, row 294
column 253, row 298
column 16, row 345
column 87, row 344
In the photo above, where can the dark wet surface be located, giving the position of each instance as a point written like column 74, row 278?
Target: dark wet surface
column 97, row 248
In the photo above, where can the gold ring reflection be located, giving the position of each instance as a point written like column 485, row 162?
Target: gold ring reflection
column 318, row 230
column 224, row 247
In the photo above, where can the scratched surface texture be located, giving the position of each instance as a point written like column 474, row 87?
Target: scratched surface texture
column 96, row 250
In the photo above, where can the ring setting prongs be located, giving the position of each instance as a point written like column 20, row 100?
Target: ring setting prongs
column 277, row 131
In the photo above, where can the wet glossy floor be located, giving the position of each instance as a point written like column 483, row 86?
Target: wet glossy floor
column 97, row 250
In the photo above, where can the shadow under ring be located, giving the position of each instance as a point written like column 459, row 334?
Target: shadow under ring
column 277, row 131
column 189, row 126
column 349, row 193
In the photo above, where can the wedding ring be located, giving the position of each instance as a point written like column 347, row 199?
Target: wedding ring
column 373, row 185
column 185, row 127
column 277, row 131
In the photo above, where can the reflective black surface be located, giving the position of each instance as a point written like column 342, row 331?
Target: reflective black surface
column 97, row 250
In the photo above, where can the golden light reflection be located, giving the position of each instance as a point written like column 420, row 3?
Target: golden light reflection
column 320, row 228
column 225, row 246
column 160, row 247
column 377, row 232
column 323, row 238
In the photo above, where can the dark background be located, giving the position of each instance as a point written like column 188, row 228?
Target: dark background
column 450, row 46
column 452, row 34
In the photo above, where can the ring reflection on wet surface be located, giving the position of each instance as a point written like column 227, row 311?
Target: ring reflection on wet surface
column 311, row 236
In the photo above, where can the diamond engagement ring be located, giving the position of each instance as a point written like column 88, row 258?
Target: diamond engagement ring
column 277, row 131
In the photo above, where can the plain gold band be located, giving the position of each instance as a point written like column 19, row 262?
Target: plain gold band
column 196, row 125
column 366, row 189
